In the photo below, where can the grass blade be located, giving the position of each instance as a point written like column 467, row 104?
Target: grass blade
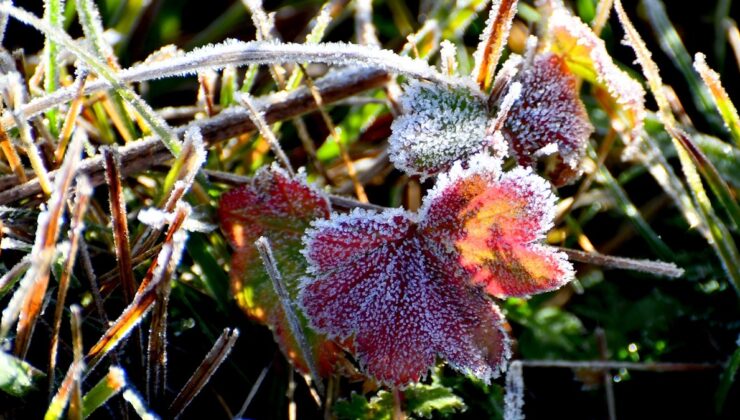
column 492, row 41
column 76, row 228
column 717, row 234
column 112, row 162
column 17, row 377
column 161, row 269
column 218, row 353
column 108, row 387
column 671, row 44
column 722, row 100
column 726, row 380
column 268, row 260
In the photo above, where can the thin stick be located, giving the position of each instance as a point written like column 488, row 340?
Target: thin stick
column 658, row 268
column 265, row 250
column 146, row 153
column 607, row 376
column 608, row 364
column 351, row 171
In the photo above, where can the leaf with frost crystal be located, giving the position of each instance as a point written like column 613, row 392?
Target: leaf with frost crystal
column 439, row 125
column 586, row 56
column 280, row 208
column 495, row 222
column 549, row 115
column 410, row 287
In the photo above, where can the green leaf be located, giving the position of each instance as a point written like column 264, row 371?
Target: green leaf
column 16, row 376
column 420, row 401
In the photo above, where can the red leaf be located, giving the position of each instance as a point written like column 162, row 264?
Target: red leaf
column 495, row 222
column 410, row 287
column 280, row 208
column 401, row 297
column 549, row 117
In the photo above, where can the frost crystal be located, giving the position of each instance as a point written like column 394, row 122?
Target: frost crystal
column 410, row 287
column 547, row 115
column 439, row 125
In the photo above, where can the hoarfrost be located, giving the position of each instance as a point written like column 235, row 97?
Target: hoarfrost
column 439, row 125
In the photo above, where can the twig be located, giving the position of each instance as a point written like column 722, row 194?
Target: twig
column 608, row 364
column 658, row 268
column 607, row 377
column 149, row 152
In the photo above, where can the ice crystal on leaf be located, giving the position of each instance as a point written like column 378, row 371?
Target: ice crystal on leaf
column 586, row 56
column 410, row 287
column 549, row 117
column 439, row 125
column 280, row 208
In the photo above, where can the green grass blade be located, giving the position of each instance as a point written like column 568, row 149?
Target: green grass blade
column 711, row 175
column 104, row 390
column 727, row 379
column 722, row 100
column 54, row 17
column 671, row 44
column 17, row 377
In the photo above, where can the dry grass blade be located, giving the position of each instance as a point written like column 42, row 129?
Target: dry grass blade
column 268, row 260
column 6, row 281
column 69, row 121
column 493, row 40
column 11, row 155
column 112, row 162
column 75, row 400
column 13, row 96
column 33, row 288
column 157, row 348
column 261, row 124
column 76, row 228
column 602, row 15
column 205, row 371
column 351, row 171
column 658, row 268
column 161, row 270
column 69, row 391
column 147, row 153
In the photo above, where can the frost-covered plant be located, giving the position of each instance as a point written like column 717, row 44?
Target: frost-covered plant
column 408, row 287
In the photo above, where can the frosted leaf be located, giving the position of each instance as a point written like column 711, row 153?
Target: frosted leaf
column 495, row 222
column 439, row 125
column 549, row 112
column 408, row 288
column 586, row 56
column 280, row 208
column 401, row 296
